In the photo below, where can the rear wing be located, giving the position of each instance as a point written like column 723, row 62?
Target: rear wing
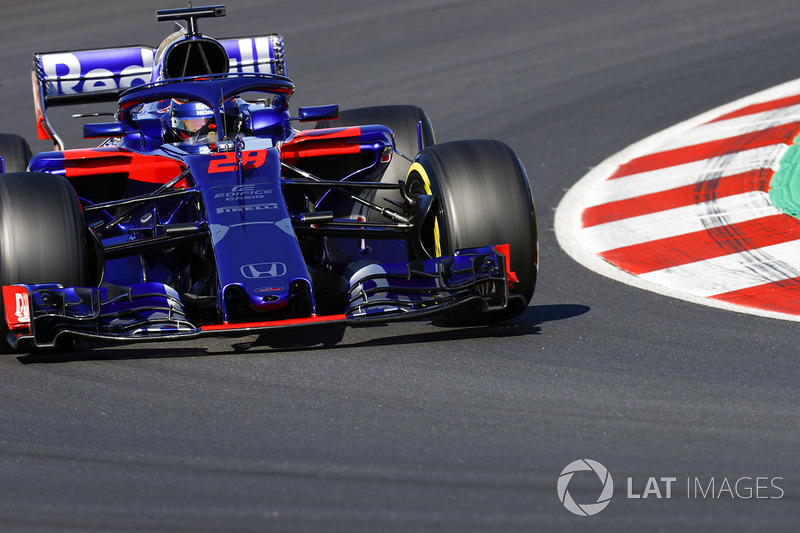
column 101, row 75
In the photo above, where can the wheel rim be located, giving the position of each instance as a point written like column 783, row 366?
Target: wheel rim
column 426, row 185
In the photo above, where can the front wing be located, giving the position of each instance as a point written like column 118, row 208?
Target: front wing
column 473, row 280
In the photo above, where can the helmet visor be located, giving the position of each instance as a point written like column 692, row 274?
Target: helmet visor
column 193, row 125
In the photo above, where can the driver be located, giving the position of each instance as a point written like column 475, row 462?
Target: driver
column 193, row 122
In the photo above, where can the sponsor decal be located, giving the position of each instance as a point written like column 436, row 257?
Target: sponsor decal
column 264, row 270
column 240, row 208
column 268, row 289
column 244, row 192
column 87, row 71
column 250, row 55
column 68, row 73
column 15, row 301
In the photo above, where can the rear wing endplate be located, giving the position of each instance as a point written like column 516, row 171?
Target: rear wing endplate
column 101, row 75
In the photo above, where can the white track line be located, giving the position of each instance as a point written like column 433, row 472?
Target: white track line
column 733, row 127
column 665, row 179
column 732, row 272
column 678, row 221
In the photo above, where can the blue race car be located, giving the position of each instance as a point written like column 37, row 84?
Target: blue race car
column 205, row 212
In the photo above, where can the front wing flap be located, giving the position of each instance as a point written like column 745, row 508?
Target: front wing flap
column 476, row 280
column 478, row 274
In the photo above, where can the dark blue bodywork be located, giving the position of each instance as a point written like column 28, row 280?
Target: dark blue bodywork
column 263, row 227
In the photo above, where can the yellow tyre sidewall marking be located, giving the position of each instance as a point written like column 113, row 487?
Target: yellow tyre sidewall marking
column 437, row 242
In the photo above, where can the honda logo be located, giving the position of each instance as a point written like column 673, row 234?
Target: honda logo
column 264, row 270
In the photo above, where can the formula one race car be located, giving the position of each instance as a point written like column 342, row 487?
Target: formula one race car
column 204, row 212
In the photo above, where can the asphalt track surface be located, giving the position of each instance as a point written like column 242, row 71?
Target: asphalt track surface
column 413, row 427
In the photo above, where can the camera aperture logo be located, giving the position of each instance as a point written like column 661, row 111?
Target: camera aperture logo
column 585, row 509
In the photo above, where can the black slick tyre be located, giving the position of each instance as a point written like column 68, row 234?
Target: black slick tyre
column 482, row 198
column 15, row 151
column 42, row 233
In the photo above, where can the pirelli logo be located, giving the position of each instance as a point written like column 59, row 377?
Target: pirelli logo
column 252, row 207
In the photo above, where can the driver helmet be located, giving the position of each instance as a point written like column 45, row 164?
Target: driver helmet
column 193, row 122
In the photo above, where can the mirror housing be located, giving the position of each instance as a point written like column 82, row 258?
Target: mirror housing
column 103, row 130
column 317, row 112
column 268, row 121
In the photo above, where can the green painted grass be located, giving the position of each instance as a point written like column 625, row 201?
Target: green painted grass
column 784, row 192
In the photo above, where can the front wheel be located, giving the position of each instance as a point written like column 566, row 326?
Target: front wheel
column 481, row 198
column 42, row 234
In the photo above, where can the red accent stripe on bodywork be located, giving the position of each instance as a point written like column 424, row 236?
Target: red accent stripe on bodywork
column 271, row 323
column 114, row 160
column 783, row 134
column 323, row 142
column 42, row 131
column 696, row 193
column 505, row 250
column 779, row 296
column 706, row 244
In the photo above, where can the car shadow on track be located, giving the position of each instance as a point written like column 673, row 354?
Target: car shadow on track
column 528, row 323
column 84, row 352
